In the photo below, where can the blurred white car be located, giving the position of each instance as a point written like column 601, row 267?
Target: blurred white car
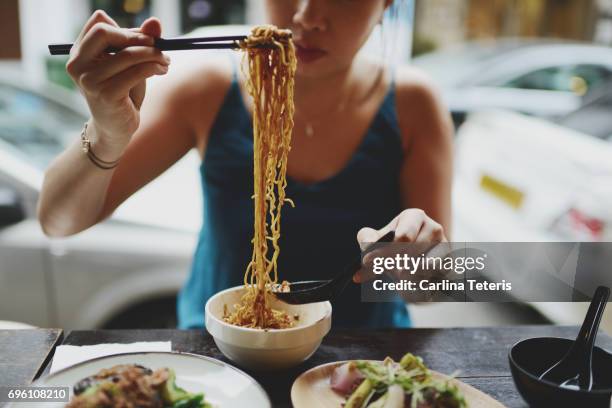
column 538, row 77
column 519, row 178
column 523, row 179
column 124, row 272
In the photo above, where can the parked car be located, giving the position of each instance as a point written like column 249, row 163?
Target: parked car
column 524, row 179
column 594, row 117
column 519, row 178
column 124, row 272
column 538, row 77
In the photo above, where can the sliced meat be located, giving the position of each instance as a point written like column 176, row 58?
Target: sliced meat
column 345, row 378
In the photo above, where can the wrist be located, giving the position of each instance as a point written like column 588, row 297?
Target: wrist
column 105, row 146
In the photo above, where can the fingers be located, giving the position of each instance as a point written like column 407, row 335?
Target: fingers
column 96, row 17
column 100, row 32
column 137, row 94
column 152, row 27
column 120, row 62
column 366, row 236
column 431, row 232
column 119, row 85
column 96, row 41
column 409, row 224
column 103, row 35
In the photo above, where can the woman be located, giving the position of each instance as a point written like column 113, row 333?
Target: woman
column 370, row 148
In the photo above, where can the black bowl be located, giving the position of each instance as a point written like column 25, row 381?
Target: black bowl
column 530, row 358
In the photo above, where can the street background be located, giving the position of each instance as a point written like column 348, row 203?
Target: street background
column 528, row 82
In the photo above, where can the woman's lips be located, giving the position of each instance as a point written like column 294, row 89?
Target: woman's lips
column 308, row 54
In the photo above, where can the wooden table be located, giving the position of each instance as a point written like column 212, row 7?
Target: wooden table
column 480, row 353
column 25, row 353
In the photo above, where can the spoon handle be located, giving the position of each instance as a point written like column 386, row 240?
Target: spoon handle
column 588, row 332
column 338, row 284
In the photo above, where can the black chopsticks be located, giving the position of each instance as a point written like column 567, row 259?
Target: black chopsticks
column 173, row 44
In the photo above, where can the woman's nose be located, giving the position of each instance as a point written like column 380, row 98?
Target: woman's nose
column 311, row 15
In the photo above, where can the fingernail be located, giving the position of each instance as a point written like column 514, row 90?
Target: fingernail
column 162, row 69
column 167, row 59
column 356, row 279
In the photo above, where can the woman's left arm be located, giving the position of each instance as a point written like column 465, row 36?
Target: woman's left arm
column 426, row 173
column 427, row 133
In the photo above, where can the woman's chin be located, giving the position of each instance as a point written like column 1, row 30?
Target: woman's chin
column 314, row 70
column 307, row 69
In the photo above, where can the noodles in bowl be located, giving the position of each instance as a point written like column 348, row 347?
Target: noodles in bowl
column 270, row 80
column 267, row 349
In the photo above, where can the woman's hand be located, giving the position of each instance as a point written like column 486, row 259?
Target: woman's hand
column 114, row 85
column 410, row 226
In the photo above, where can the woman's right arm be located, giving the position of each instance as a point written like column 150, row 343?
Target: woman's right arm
column 76, row 194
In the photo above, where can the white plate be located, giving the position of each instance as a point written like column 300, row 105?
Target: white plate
column 223, row 385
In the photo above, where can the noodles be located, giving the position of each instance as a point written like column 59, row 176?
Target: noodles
column 270, row 84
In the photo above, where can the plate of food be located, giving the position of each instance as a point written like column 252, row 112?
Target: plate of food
column 156, row 379
column 384, row 384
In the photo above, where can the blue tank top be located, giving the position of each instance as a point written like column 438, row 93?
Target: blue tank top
column 318, row 236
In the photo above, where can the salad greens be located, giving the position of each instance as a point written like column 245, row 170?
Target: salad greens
column 409, row 383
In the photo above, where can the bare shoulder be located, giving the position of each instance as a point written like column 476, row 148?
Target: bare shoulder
column 417, row 95
column 190, row 78
column 194, row 89
column 419, row 105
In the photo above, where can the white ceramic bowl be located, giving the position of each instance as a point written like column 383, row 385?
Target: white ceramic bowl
column 267, row 349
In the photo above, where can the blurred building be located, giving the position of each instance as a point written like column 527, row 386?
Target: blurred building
column 603, row 27
column 439, row 23
column 28, row 26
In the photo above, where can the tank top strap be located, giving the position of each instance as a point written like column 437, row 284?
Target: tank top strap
column 235, row 67
column 388, row 109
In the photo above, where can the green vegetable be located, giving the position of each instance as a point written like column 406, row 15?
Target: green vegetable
column 360, row 395
column 171, row 392
column 176, row 397
column 411, row 362
column 379, row 403
column 190, row 402
column 394, row 397
column 375, row 372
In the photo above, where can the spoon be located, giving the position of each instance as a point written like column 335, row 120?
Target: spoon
column 574, row 370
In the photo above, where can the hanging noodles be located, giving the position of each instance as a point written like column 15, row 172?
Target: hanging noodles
column 271, row 72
